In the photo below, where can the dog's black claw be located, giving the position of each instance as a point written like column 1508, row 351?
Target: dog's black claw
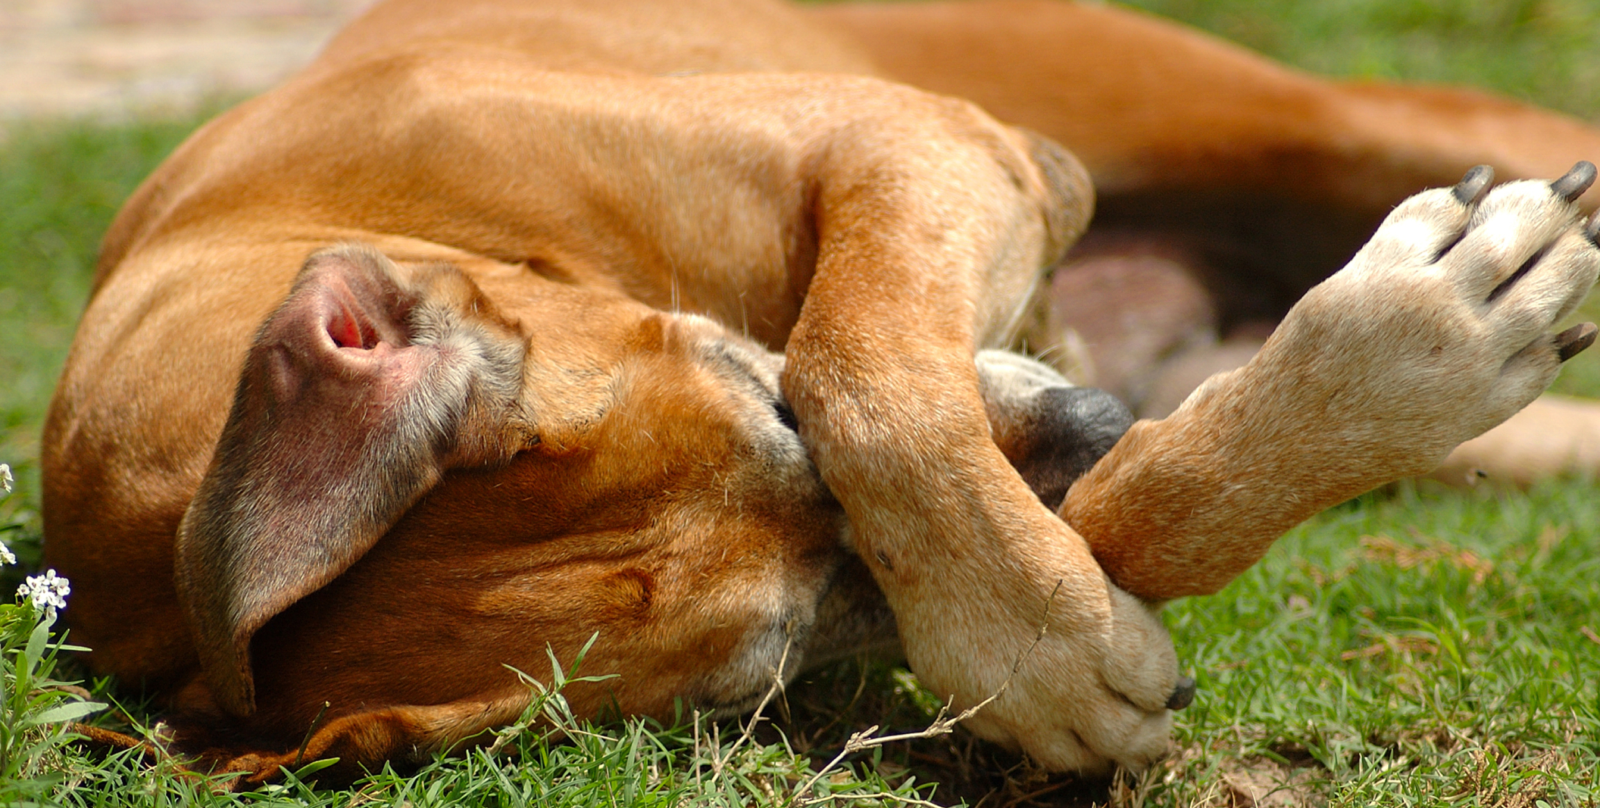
column 1592, row 229
column 1182, row 695
column 1572, row 341
column 1574, row 182
column 1472, row 187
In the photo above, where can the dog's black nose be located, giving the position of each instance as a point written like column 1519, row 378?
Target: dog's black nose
column 1068, row 430
column 1182, row 695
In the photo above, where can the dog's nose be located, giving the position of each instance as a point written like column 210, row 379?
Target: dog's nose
column 1182, row 695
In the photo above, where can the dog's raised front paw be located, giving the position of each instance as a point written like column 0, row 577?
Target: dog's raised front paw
column 1437, row 330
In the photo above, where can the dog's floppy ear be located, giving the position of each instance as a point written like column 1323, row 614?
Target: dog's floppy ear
column 358, row 392
column 1068, row 193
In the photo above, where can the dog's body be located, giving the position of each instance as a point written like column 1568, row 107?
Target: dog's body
column 541, row 403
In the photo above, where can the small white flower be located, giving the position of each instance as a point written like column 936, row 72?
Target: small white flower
column 5, row 555
column 48, row 591
column 5, row 477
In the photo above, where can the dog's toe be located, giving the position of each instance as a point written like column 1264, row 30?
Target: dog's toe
column 1536, row 266
column 1425, row 227
column 1443, row 321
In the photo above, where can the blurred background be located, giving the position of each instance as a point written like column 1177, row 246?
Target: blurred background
column 107, row 58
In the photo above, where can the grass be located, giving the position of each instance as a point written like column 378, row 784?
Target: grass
column 1417, row 646
column 59, row 187
column 1541, row 51
column 1421, row 644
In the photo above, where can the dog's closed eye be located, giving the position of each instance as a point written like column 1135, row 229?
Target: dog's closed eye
column 786, row 415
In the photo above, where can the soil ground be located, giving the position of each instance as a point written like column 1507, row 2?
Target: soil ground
column 111, row 59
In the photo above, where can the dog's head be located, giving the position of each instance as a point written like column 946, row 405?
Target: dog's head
column 372, row 380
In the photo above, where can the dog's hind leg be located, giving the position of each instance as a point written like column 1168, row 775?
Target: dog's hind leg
column 1148, row 103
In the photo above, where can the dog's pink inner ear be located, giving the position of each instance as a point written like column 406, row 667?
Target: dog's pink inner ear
column 343, row 418
column 341, row 335
column 349, row 330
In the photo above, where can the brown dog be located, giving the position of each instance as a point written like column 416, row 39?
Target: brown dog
column 524, row 390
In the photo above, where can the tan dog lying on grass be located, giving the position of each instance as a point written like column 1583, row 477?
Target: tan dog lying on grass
column 464, row 345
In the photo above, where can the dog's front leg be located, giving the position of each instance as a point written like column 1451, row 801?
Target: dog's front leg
column 1434, row 333
column 932, row 224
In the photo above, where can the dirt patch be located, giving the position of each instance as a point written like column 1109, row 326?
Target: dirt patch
column 1384, row 550
column 113, row 59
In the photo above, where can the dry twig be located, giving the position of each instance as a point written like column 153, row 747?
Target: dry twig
column 755, row 717
column 942, row 724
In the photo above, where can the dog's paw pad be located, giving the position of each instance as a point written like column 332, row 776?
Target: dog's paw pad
column 1051, row 431
column 1182, row 695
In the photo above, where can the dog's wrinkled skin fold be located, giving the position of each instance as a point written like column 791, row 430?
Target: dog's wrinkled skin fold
column 526, row 388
